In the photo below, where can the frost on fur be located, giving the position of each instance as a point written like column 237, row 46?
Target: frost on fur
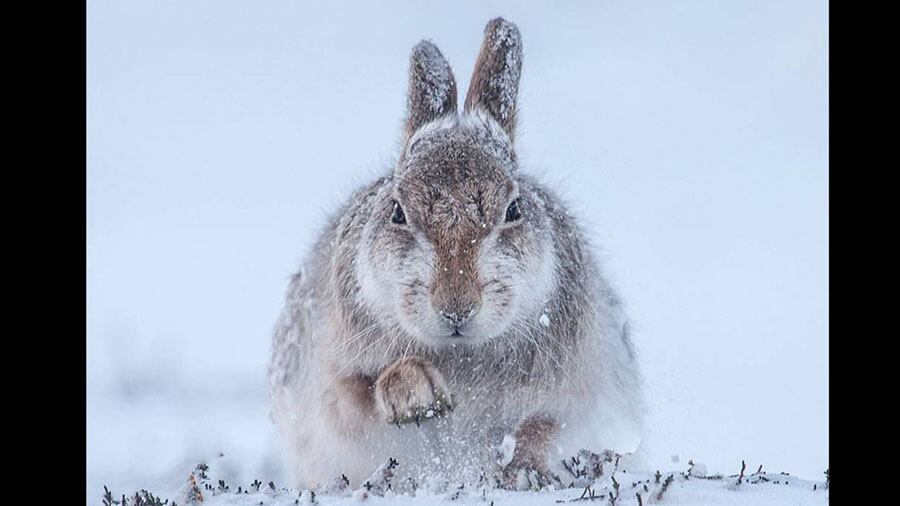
column 495, row 81
column 432, row 88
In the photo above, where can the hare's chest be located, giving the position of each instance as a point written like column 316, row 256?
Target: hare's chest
column 484, row 395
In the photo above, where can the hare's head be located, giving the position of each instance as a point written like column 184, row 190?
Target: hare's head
column 459, row 248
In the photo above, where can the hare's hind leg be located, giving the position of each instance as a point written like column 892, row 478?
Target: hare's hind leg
column 528, row 467
column 350, row 405
column 325, row 431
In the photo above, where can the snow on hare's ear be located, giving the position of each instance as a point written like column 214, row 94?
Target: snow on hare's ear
column 432, row 89
column 495, row 80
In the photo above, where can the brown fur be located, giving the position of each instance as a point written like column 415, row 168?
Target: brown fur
column 459, row 196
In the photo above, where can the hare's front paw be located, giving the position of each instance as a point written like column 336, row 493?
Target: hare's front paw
column 411, row 390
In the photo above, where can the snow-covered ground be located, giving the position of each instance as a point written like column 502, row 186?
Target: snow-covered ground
column 606, row 483
column 691, row 137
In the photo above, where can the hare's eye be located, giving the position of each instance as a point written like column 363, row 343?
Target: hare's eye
column 512, row 212
column 398, row 217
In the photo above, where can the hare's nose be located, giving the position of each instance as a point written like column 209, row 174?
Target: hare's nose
column 458, row 316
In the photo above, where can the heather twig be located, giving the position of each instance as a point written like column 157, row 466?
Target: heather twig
column 665, row 486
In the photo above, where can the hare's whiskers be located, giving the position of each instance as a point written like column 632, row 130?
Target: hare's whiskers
column 366, row 348
column 353, row 339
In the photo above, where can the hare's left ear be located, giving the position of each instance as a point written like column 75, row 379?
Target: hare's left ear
column 495, row 80
column 432, row 89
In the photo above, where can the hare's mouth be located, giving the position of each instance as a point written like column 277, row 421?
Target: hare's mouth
column 454, row 331
column 459, row 330
column 456, row 334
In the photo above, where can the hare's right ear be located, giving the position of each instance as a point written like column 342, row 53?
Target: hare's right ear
column 432, row 89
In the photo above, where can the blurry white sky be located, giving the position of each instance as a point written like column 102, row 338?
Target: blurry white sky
column 690, row 136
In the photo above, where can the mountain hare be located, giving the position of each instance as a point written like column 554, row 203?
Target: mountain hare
column 451, row 314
